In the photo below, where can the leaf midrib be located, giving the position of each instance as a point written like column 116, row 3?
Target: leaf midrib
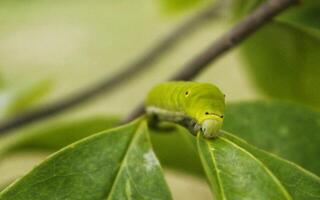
column 217, row 170
column 122, row 165
column 275, row 179
column 274, row 156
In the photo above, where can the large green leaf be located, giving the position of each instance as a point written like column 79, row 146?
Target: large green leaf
column 306, row 185
column 172, row 146
column 16, row 99
column 283, row 57
column 114, row 164
column 287, row 130
column 55, row 135
column 237, row 170
column 284, row 62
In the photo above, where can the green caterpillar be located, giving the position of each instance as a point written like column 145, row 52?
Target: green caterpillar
column 198, row 106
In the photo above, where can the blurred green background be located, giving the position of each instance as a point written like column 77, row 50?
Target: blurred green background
column 67, row 45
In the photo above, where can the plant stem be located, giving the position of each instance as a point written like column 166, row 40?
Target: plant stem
column 242, row 30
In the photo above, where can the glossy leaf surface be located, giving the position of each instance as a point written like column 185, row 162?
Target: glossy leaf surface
column 290, row 131
column 237, row 170
column 114, row 164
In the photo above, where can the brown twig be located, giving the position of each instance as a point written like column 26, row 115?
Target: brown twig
column 107, row 84
column 227, row 41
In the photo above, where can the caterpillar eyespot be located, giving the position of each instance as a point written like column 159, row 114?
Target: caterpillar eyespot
column 202, row 111
column 187, row 93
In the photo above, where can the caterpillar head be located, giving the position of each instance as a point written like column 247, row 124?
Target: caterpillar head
column 210, row 126
column 209, row 116
column 207, row 108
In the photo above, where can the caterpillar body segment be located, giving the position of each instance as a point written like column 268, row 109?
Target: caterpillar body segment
column 198, row 106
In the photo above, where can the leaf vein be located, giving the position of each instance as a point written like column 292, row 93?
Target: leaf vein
column 217, row 171
column 275, row 179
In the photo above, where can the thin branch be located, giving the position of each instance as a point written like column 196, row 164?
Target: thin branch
column 106, row 85
column 227, row 41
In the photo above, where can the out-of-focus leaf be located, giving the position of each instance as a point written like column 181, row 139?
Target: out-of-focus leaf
column 114, row 164
column 283, row 57
column 55, row 135
column 284, row 62
column 174, row 150
column 305, row 15
column 237, row 170
column 287, row 130
column 15, row 100
column 173, row 6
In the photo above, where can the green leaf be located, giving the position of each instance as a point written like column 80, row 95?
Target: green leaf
column 306, row 15
column 291, row 62
column 15, row 100
column 237, row 170
column 286, row 51
column 172, row 147
column 287, row 130
column 55, row 135
column 114, row 164
column 306, row 185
